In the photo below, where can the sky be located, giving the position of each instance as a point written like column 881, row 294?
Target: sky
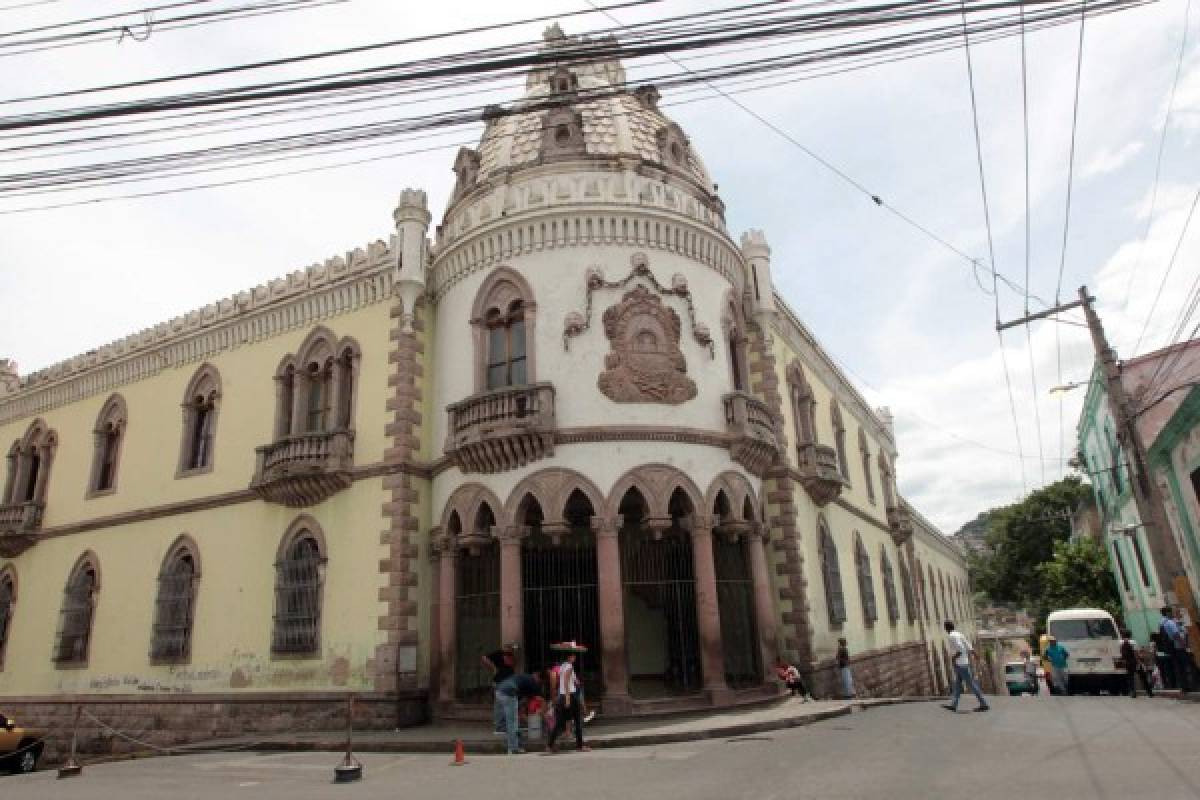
column 909, row 320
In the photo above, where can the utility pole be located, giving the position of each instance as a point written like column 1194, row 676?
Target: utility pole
column 1145, row 492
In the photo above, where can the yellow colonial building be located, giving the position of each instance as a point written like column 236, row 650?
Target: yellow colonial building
column 576, row 409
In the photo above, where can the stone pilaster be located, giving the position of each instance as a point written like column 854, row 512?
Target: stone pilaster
column 708, row 612
column 612, row 615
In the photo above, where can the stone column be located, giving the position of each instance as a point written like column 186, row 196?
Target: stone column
column 335, row 395
column 300, row 388
column 446, row 625
column 512, row 614
column 708, row 615
column 612, row 615
column 764, row 609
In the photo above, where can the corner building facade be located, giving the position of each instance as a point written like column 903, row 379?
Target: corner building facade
column 577, row 409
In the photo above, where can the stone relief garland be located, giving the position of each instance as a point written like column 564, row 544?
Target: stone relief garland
column 645, row 364
column 576, row 323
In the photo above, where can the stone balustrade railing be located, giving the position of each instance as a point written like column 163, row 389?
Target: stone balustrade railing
column 755, row 431
column 819, row 472
column 502, row 429
column 303, row 469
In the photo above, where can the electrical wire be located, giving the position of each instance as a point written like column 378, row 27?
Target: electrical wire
column 1062, row 263
column 1170, row 266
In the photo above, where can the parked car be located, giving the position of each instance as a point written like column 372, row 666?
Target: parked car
column 1016, row 680
column 20, row 748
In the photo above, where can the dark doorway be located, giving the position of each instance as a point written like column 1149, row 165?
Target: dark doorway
column 477, row 609
column 657, row 574
column 559, row 591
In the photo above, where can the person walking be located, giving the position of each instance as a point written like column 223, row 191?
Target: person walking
column 1058, row 657
column 1172, row 642
column 568, row 700
column 1031, row 668
column 843, row 664
column 510, row 692
column 1134, row 668
column 961, row 653
column 502, row 665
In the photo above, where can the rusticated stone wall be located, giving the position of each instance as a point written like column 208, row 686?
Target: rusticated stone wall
column 163, row 721
column 898, row 671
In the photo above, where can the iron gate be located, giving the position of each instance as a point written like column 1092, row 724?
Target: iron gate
column 477, row 625
column 560, row 601
column 735, row 600
column 662, row 640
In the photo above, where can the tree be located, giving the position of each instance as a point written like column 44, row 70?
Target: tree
column 1079, row 575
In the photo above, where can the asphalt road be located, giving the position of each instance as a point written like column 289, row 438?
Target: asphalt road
column 1061, row 747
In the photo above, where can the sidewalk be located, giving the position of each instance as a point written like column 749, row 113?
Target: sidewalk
column 439, row 737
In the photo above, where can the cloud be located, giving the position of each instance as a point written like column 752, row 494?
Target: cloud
column 1111, row 160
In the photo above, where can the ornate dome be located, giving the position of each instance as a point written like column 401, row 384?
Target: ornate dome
column 579, row 112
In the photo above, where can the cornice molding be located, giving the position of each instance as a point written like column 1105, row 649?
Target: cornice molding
column 339, row 286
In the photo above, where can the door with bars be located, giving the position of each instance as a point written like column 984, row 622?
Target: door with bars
column 735, row 602
column 559, row 595
column 477, row 608
column 661, row 636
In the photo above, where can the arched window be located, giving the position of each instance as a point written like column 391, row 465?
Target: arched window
column 907, row 589
column 804, row 407
column 735, row 339
column 29, row 461
column 866, row 583
column 933, row 595
column 199, row 421
column 889, row 587
column 839, row 439
column 315, row 388
column 75, row 619
column 864, row 450
column 299, row 580
column 835, row 601
column 502, row 321
column 8, row 599
column 171, row 640
column 886, row 480
column 109, row 434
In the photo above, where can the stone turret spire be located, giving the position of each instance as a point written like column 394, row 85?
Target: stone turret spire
column 10, row 380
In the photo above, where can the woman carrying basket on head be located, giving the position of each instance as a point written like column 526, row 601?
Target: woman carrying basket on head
column 568, row 698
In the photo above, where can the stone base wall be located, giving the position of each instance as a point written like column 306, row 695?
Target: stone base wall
column 162, row 721
column 897, row 671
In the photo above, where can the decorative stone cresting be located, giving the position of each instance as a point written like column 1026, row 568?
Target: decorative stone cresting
column 576, row 323
column 645, row 364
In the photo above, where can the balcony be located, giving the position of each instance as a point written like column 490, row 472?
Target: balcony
column 900, row 522
column 819, row 473
column 755, row 432
column 304, row 468
column 19, row 523
column 502, row 429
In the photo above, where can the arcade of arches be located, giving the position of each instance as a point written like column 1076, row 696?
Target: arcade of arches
column 667, row 586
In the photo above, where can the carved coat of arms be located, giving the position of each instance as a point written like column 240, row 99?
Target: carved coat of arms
column 644, row 364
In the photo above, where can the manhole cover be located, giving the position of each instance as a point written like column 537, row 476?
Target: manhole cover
column 750, row 739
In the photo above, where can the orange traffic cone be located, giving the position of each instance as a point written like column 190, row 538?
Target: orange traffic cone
column 459, row 757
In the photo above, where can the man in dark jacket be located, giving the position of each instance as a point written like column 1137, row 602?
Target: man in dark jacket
column 509, row 695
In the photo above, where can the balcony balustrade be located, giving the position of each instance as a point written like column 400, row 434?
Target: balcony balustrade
column 819, row 473
column 502, row 429
column 900, row 522
column 755, row 432
column 19, row 523
column 302, row 469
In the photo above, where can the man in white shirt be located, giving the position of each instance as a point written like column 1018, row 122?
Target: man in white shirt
column 961, row 652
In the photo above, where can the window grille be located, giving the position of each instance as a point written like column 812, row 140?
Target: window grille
column 75, row 621
column 866, row 585
column 835, row 601
column 298, row 579
column 6, row 611
column 172, row 639
column 889, row 589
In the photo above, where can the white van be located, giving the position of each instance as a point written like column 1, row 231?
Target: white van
column 1093, row 648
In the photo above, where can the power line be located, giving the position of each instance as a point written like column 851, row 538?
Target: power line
column 1170, row 266
column 1062, row 263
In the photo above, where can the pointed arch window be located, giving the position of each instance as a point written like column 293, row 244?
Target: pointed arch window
column 734, row 325
column 316, row 388
column 109, row 435
column 29, row 461
column 864, row 451
column 75, row 619
column 835, row 600
column 299, row 581
column 886, row 480
column 839, row 439
column 503, row 323
column 174, row 607
column 8, row 599
column 866, row 583
column 803, row 405
column 200, row 402
column 889, row 587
